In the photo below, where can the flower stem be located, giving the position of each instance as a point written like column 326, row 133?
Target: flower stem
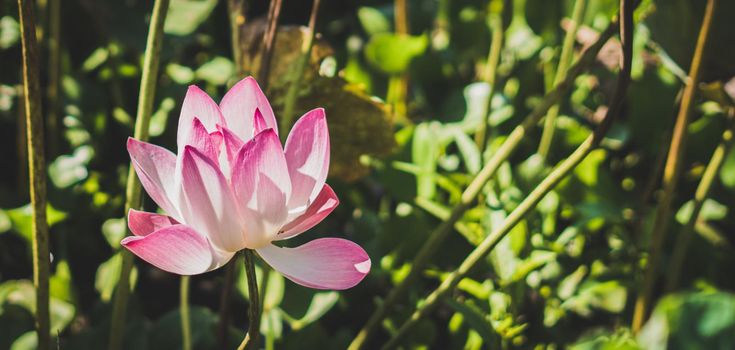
column 437, row 236
column 251, row 338
column 491, row 67
column 547, row 184
column 184, row 312
column 236, row 9
column 298, row 72
column 685, row 236
column 269, row 42
column 54, row 76
column 37, row 169
column 672, row 171
column 146, row 96
column 564, row 60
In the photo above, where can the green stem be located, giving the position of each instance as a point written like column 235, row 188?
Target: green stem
column 269, row 41
column 566, row 58
column 547, row 185
column 184, row 312
column 298, row 72
column 54, row 74
column 685, row 237
column 146, row 96
column 251, row 338
column 236, row 10
column 437, row 236
column 37, row 169
column 491, row 67
column 672, row 172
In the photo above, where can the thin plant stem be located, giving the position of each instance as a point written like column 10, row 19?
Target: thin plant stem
column 437, row 236
column 54, row 76
column 269, row 41
column 705, row 184
column 672, row 172
column 36, row 169
column 224, row 302
column 151, row 62
column 251, row 338
column 298, row 71
column 399, row 83
column 491, row 67
column 547, row 185
column 236, row 10
column 184, row 312
column 564, row 60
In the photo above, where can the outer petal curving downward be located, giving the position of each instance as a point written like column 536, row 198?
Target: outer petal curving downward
column 209, row 206
column 325, row 263
column 156, row 168
column 261, row 185
column 197, row 104
column 323, row 205
column 239, row 104
column 176, row 248
column 307, row 154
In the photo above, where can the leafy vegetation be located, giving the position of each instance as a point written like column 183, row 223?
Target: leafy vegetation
column 418, row 111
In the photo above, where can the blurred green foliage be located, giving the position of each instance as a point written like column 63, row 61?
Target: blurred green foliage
column 565, row 277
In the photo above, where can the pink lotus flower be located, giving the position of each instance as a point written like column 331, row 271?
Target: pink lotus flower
column 232, row 186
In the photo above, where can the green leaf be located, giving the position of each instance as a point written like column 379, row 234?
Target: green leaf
column 320, row 304
column 114, row 231
column 702, row 320
column 22, row 219
column 180, row 74
column 185, row 16
column 217, row 71
column 392, row 53
column 727, row 172
column 160, row 118
column 108, row 274
column 711, row 210
column 9, row 32
column 95, row 59
column 373, row 21
column 425, row 152
column 166, row 333
column 67, row 170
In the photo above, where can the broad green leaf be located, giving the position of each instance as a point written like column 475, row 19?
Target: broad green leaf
column 392, row 53
column 320, row 304
column 216, row 71
column 9, row 32
column 67, row 170
column 185, row 16
column 373, row 21
column 701, row 320
column 711, row 210
column 22, row 219
column 108, row 274
column 114, row 231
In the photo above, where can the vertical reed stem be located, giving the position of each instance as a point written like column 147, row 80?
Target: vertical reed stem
column 298, row 72
column 564, row 60
column 491, row 67
column 269, row 42
column 672, row 171
column 251, row 338
column 54, row 76
column 37, row 169
column 184, row 312
column 685, row 236
column 146, row 96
